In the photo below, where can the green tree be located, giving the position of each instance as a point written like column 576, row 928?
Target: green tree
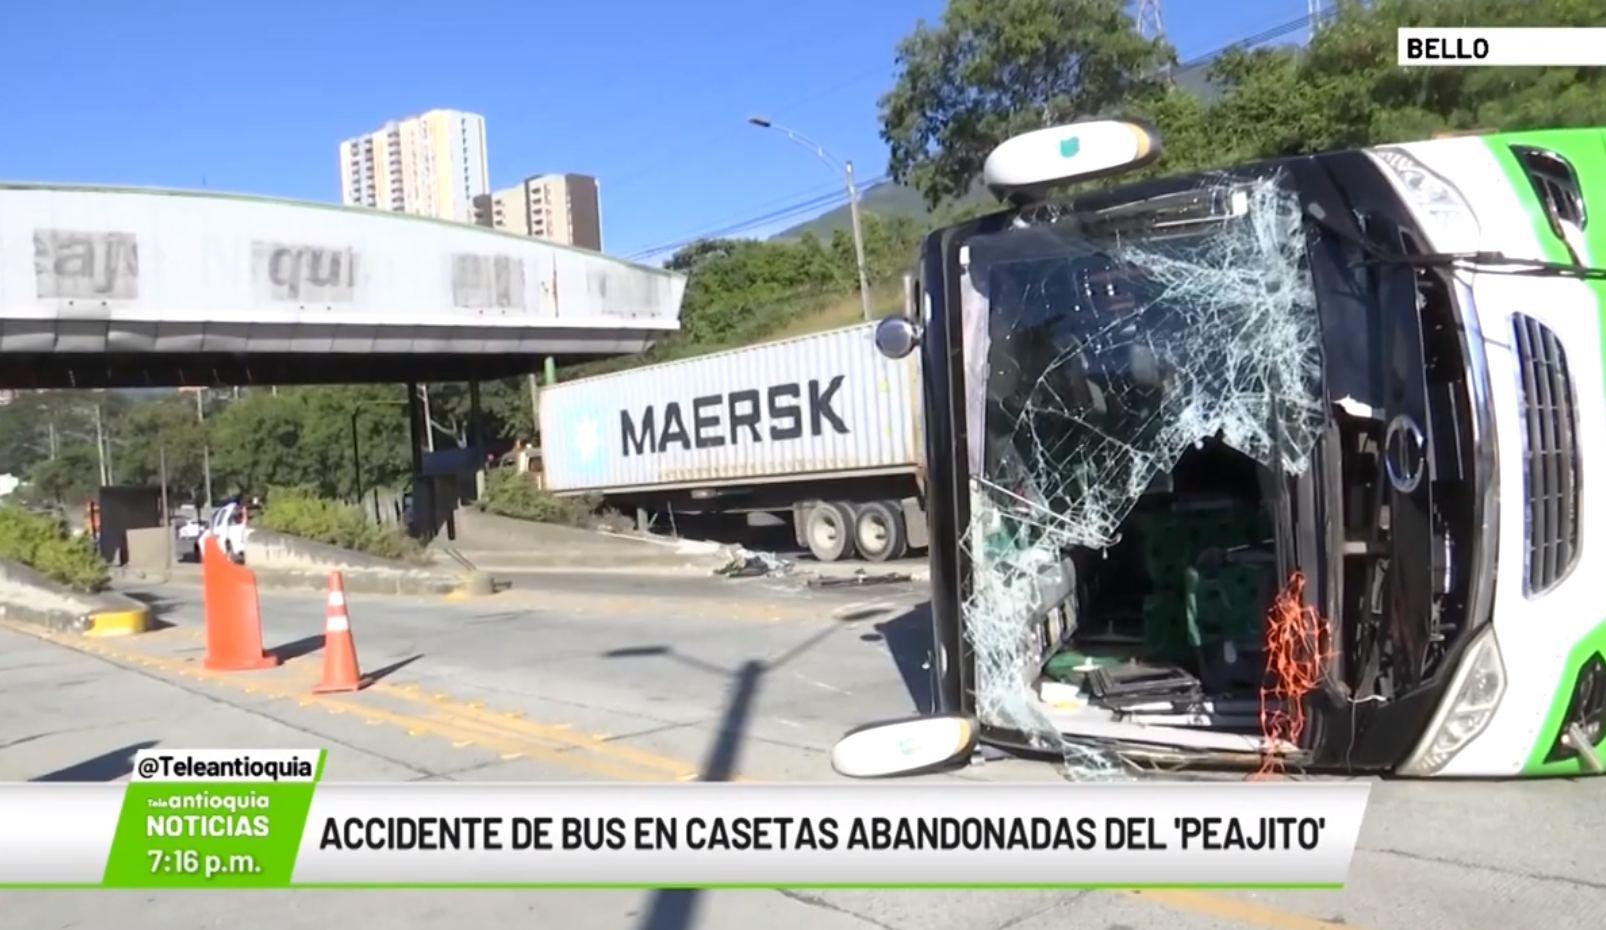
column 1346, row 89
column 302, row 437
column 742, row 291
column 152, row 431
column 23, row 436
column 992, row 69
column 70, row 479
column 504, row 411
column 35, row 425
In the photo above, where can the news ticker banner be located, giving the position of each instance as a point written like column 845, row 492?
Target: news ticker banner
column 1502, row 48
column 263, row 819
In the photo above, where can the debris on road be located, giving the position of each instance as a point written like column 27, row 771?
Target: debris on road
column 860, row 578
column 744, row 563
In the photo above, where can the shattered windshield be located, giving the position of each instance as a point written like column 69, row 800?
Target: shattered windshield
column 1098, row 349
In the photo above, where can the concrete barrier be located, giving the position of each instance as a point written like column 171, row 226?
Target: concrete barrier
column 151, row 549
column 495, row 542
column 30, row 597
column 290, row 562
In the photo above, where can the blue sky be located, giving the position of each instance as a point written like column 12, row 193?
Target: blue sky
column 650, row 97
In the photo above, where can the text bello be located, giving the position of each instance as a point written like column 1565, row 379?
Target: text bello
column 1446, row 49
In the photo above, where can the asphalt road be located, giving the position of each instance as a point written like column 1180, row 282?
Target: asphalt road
column 598, row 678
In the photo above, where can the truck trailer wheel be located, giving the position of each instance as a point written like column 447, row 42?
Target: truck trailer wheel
column 879, row 532
column 828, row 530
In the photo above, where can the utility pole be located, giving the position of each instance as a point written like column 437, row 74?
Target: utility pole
column 100, row 445
column 535, row 405
column 161, row 457
column 429, row 425
column 858, row 240
column 846, row 169
column 206, row 447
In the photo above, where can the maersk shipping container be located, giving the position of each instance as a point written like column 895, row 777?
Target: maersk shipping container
column 825, row 404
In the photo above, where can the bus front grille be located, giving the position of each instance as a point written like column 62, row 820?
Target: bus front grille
column 1550, row 468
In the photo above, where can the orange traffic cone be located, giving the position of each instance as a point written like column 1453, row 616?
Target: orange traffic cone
column 339, row 650
column 233, row 617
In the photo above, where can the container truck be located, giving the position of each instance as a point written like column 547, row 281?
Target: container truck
column 818, row 431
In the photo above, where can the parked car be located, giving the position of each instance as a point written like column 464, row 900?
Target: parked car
column 228, row 527
column 189, row 530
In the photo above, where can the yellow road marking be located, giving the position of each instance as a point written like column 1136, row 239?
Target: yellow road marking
column 463, row 725
column 475, row 714
column 473, row 717
column 508, row 744
column 1236, row 909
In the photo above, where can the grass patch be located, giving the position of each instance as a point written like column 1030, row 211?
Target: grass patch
column 299, row 512
column 43, row 543
column 512, row 493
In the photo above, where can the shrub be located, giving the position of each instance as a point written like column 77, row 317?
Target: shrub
column 43, row 543
column 300, row 512
column 511, row 493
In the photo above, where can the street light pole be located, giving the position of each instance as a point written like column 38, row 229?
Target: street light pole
column 845, row 168
column 206, row 448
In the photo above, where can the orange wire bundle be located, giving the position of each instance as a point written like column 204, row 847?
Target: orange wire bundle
column 1294, row 659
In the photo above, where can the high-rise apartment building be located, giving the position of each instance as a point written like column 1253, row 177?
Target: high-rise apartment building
column 556, row 207
column 432, row 164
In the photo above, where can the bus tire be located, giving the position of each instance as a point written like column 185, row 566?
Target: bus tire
column 828, row 530
column 879, row 532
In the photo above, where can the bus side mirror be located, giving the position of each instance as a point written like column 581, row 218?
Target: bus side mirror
column 896, row 337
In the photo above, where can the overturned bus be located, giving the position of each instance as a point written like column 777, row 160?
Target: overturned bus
column 1280, row 465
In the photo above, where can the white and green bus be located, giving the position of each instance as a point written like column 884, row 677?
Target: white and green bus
column 1288, row 463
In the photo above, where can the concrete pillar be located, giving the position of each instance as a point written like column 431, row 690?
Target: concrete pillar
column 476, row 438
column 415, row 427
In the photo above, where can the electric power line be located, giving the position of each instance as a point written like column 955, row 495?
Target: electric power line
column 676, row 155
column 814, row 206
column 826, row 202
column 788, row 202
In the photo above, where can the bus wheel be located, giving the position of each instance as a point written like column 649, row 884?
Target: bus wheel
column 829, row 531
column 879, row 532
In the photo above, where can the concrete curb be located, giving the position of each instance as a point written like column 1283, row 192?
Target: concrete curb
column 412, row 583
column 497, row 543
column 662, row 571
column 290, row 563
column 408, row 583
column 28, row 596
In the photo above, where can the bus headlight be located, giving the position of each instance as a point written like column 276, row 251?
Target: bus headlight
column 1469, row 704
column 1454, row 225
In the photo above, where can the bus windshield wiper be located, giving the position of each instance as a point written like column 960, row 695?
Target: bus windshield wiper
column 1479, row 262
column 1501, row 263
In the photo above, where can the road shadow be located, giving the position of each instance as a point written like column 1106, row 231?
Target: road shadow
column 108, row 766
column 678, row 908
column 908, row 640
column 295, row 649
column 157, row 605
column 381, row 673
